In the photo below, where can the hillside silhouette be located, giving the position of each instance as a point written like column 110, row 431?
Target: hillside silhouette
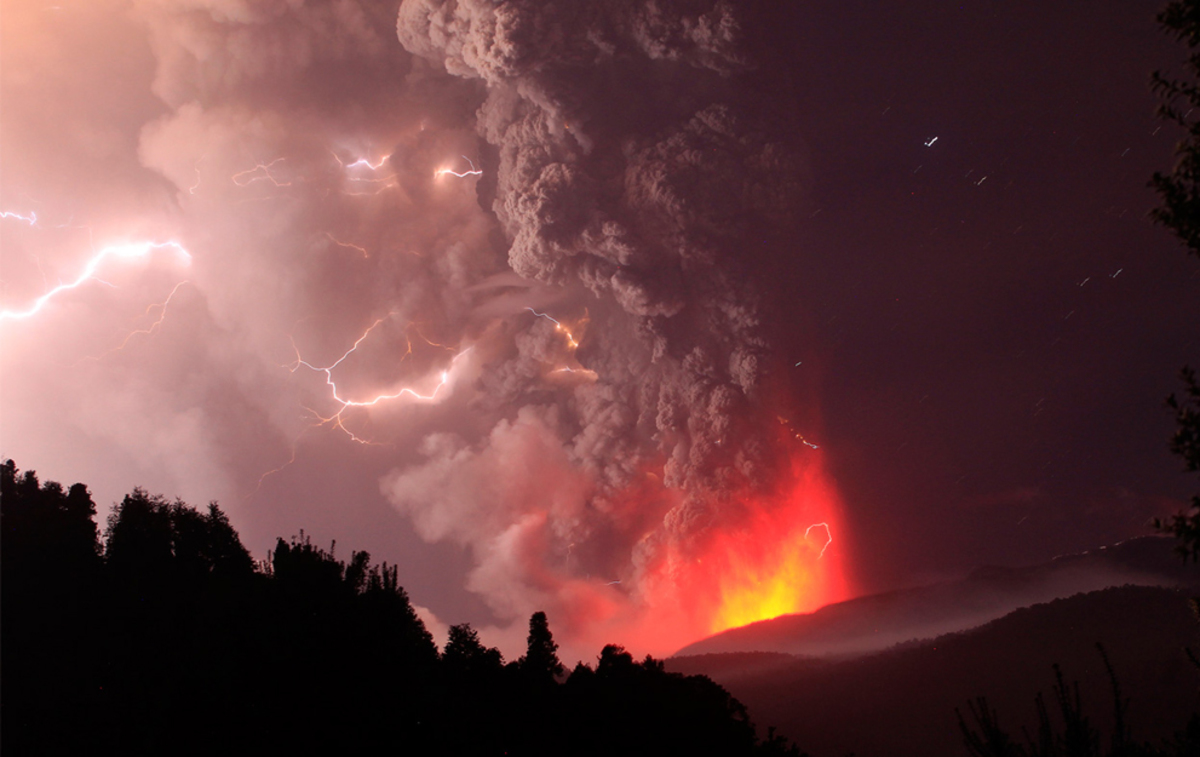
column 161, row 634
column 901, row 701
column 878, row 621
column 166, row 638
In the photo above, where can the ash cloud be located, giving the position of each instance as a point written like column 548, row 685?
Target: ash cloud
column 603, row 272
column 635, row 172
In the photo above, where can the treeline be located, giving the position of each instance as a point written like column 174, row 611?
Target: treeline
column 167, row 638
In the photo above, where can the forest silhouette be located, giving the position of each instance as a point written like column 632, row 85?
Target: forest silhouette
column 166, row 637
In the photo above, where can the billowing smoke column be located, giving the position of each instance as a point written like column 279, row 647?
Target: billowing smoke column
column 516, row 266
column 633, row 170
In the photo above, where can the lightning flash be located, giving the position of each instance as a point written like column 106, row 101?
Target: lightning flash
column 473, row 172
column 260, row 172
column 130, row 251
column 30, row 219
column 363, row 162
column 346, row 403
column 828, row 536
column 558, row 327
column 161, row 307
column 347, row 245
column 356, row 168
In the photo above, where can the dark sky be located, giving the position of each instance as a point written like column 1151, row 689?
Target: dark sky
column 914, row 231
column 994, row 356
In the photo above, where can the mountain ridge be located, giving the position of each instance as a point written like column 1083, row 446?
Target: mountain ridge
column 878, row 621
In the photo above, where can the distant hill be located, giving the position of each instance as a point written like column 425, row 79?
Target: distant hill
column 901, row 701
column 879, row 621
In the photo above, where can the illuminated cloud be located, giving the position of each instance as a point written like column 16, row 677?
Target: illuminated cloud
column 577, row 192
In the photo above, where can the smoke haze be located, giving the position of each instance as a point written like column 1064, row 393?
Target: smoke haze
column 514, row 255
column 598, row 308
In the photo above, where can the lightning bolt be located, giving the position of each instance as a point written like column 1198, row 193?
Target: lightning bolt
column 828, row 536
column 192, row 189
column 30, row 219
column 260, row 172
column 387, row 182
column 347, row 245
column 122, row 251
column 585, row 372
column 796, row 434
column 473, row 172
column 363, row 162
column 557, row 327
column 336, row 419
column 161, row 306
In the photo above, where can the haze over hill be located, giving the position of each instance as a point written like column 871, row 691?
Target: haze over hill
column 877, row 621
column 901, row 701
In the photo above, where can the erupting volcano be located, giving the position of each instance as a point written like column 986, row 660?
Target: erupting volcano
column 523, row 277
column 775, row 557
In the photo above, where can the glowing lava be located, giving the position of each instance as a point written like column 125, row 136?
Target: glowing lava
column 778, row 562
column 775, row 559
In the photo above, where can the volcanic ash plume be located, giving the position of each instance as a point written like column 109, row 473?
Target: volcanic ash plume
column 517, row 264
column 635, row 479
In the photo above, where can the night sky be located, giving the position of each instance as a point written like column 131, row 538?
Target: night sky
column 654, row 270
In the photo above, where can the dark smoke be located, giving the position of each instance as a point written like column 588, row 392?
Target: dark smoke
column 602, row 280
column 634, row 167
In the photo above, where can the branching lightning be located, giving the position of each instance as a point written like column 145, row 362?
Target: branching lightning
column 363, row 162
column 260, row 172
column 345, row 403
column 386, row 182
column 557, row 327
column 149, row 330
column 122, row 251
column 196, row 184
column 828, row 536
column 337, row 420
column 347, row 245
column 473, row 172
column 30, row 219
column 272, row 472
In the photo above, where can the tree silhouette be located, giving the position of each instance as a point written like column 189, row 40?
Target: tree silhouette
column 50, row 562
column 46, row 532
column 1185, row 442
column 1180, row 212
column 172, row 640
column 540, row 661
column 466, row 654
column 1065, row 730
column 1180, row 189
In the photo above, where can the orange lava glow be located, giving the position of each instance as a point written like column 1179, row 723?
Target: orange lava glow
column 780, row 555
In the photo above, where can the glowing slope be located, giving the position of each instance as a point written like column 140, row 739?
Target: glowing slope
column 780, row 556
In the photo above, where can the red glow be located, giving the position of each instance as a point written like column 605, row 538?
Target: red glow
column 768, row 561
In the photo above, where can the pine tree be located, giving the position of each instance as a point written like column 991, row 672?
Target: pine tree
column 541, row 656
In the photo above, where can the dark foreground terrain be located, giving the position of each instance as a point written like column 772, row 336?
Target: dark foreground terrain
column 879, row 621
column 902, row 701
column 167, row 638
